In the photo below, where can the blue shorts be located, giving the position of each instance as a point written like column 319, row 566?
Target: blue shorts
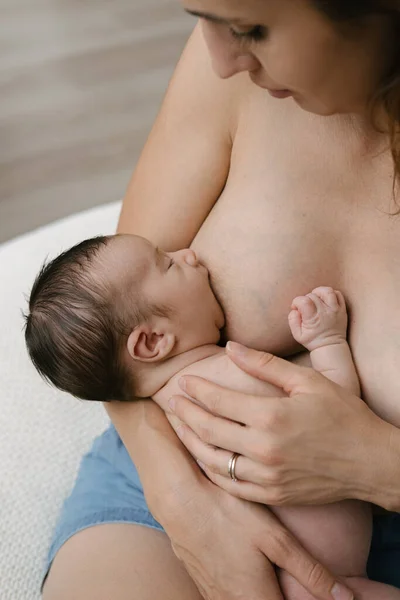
column 108, row 490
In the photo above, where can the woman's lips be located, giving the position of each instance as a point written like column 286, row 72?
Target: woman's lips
column 280, row 93
column 274, row 93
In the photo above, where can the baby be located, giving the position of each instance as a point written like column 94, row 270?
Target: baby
column 115, row 318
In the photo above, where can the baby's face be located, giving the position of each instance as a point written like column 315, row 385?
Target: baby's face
column 176, row 280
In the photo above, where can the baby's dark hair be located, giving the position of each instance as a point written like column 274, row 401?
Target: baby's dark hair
column 78, row 325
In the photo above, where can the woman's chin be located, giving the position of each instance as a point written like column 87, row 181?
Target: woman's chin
column 314, row 107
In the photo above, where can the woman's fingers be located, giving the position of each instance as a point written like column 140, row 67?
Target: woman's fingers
column 291, row 378
column 255, row 411
column 216, row 461
column 259, row 444
column 212, row 430
column 272, row 496
column 287, row 553
column 219, row 400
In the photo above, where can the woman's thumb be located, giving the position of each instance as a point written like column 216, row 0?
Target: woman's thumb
column 266, row 367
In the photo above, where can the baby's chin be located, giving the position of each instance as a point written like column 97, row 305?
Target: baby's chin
column 218, row 314
column 221, row 321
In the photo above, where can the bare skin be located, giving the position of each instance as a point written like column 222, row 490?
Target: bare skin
column 295, row 214
column 338, row 534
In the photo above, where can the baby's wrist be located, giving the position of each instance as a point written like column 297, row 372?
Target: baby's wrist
column 322, row 341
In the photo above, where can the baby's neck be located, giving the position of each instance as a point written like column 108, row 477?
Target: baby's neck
column 157, row 376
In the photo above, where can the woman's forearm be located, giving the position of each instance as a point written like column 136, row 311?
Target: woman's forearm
column 163, row 463
column 381, row 468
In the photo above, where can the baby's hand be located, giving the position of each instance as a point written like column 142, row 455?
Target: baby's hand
column 319, row 319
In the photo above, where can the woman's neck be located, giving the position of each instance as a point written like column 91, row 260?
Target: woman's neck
column 361, row 137
column 370, row 126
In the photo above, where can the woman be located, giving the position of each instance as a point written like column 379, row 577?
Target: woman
column 283, row 183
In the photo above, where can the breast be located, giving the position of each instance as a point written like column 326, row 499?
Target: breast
column 259, row 264
column 372, row 282
column 265, row 245
column 285, row 224
column 259, row 261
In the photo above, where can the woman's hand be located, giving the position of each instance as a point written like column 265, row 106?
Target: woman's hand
column 226, row 545
column 313, row 447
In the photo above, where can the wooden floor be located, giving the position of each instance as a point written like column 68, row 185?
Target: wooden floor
column 80, row 84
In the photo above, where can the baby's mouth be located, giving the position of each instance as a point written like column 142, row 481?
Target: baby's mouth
column 202, row 266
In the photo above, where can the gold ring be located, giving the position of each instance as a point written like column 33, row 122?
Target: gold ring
column 232, row 466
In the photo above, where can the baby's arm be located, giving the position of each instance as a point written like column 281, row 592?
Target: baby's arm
column 318, row 321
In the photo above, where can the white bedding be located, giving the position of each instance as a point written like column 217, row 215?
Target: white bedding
column 43, row 432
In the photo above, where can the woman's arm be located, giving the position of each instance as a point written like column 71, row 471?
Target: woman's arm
column 185, row 162
column 223, row 542
column 178, row 179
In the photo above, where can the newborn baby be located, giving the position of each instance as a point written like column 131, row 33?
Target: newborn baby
column 115, row 318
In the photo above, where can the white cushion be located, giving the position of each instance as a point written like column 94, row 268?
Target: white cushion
column 43, row 432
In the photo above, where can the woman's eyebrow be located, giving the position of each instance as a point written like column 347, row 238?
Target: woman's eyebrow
column 210, row 17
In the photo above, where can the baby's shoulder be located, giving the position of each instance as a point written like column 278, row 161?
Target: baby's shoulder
column 221, row 370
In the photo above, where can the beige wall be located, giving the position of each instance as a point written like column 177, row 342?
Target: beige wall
column 80, row 84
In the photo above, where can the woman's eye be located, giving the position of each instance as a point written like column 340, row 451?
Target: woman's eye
column 255, row 34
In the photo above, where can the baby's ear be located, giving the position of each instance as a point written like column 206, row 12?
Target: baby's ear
column 147, row 345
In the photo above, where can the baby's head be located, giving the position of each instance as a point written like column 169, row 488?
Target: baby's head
column 107, row 311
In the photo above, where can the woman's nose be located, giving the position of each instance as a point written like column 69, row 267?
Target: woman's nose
column 226, row 68
column 227, row 55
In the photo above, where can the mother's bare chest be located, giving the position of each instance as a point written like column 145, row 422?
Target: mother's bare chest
column 291, row 219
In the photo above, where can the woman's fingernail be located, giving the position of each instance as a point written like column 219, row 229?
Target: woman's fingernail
column 339, row 592
column 182, row 383
column 172, row 403
column 180, row 432
column 235, row 348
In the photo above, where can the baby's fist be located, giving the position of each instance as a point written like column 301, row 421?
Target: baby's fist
column 319, row 319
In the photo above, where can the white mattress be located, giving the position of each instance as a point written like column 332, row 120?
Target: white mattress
column 43, row 432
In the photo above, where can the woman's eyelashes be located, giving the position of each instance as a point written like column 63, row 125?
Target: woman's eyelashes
column 255, row 34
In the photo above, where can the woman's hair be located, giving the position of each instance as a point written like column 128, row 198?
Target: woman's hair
column 388, row 93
